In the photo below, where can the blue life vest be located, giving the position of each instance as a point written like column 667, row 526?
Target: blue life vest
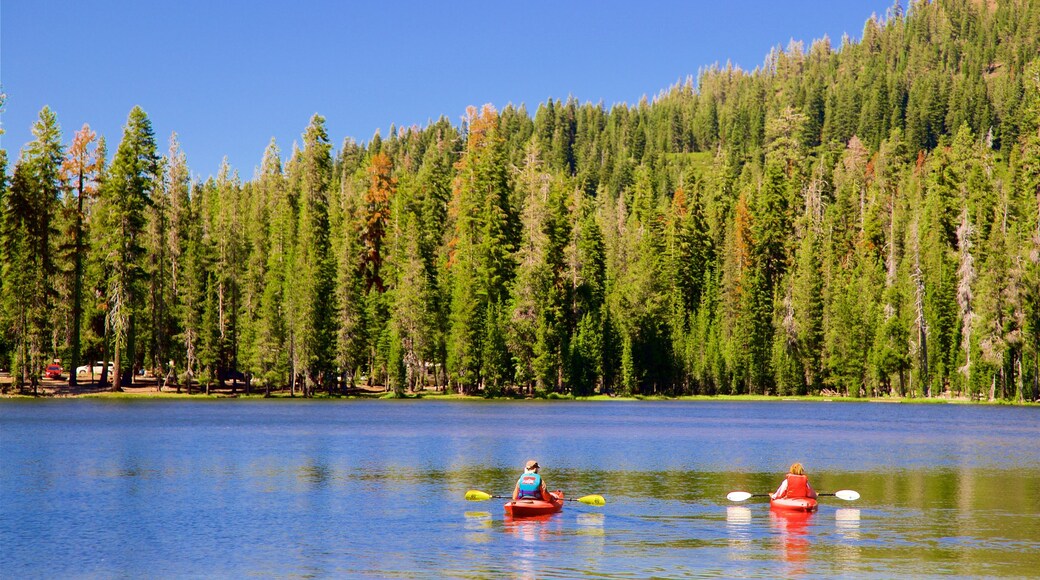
column 530, row 485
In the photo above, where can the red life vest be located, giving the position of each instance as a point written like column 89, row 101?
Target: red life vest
column 797, row 486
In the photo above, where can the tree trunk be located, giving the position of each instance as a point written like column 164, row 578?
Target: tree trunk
column 117, row 380
column 1019, row 385
column 131, row 353
column 77, row 286
column 1036, row 376
column 23, row 347
column 104, row 362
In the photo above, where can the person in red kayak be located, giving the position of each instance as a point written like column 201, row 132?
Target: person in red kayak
column 531, row 485
column 795, row 485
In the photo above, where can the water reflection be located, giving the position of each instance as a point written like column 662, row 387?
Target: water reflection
column 738, row 516
column 316, row 473
column 794, row 538
column 532, row 532
column 359, row 490
column 591, row 522
column 738, row 521
column 590, row 526
column 532, row 529
column 847, row 522
column 479, row 526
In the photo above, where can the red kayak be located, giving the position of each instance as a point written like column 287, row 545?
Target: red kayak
column 526, row 508
column 794, row 504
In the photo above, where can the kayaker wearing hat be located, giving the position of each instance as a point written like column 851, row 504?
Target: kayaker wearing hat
column 530, row 485
column 795, row 485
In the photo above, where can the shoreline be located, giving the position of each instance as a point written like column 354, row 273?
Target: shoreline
column 146, row 388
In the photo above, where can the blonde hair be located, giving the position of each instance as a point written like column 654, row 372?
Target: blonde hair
column 796, row 469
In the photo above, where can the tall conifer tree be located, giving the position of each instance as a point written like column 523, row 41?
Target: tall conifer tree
column 313, row 288
column 29, row 248
column 81, row 169
column 125, row 198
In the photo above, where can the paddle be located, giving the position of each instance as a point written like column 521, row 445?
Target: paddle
column 474, row 495
column 845, row 494
column 743, row 495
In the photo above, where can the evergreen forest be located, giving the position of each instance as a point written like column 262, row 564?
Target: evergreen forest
column 859, row 220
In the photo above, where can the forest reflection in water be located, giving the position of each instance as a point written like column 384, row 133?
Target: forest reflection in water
column 376, row 489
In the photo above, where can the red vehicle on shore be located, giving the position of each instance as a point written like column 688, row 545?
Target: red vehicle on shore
column 54, row 371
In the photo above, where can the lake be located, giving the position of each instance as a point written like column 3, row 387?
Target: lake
column 277, row 488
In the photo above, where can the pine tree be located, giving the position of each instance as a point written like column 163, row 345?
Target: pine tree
column 222, row 235
column 940, row 271
column 125, row 197
column 181, row 221
column 414, row 316
column 588, row 346
column 539, row 321
column 192, row 282
column 965, row 295
column 1027, row 168
column 808, row 311
column 97, row 332
column 996, row 325
column 527, row 286
column 465, row 320
column 850, row 324
column 256, row 199
column 29, row 252
column 209, row 346
column 311, row 292
column 159, row 296
column 736, row 270
column 554, row 323
column 81, row 167
column 481, row 261
column 640, row 297
column 495, row 361
column 5, row 339
column 16, row 273
column 271, row 363
column 381, row 189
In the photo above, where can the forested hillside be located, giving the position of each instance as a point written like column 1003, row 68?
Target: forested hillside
column 862, row 219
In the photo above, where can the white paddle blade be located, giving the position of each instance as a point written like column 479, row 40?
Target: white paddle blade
column 738, row 495
column 847, row 494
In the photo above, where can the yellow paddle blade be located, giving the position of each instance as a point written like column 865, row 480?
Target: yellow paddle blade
column 593, row 500
column 474, row 495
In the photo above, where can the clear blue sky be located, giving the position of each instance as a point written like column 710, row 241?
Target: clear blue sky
column 229, row 75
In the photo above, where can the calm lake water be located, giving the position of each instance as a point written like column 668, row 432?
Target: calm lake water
column 375, row 489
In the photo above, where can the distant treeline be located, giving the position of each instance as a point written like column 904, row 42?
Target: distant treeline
column 860, row 220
